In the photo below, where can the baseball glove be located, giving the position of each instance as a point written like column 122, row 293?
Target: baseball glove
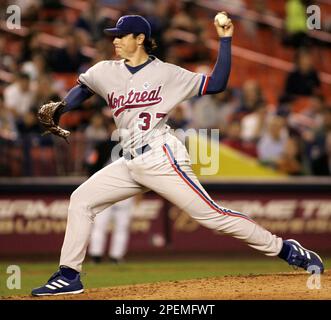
column 49, row 116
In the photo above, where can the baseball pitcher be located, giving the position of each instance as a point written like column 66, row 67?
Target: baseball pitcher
column 141, row 90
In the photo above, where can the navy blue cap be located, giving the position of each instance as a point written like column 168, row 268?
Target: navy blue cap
column 130, row 24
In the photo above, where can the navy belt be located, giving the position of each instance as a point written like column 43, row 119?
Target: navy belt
column 139, row 151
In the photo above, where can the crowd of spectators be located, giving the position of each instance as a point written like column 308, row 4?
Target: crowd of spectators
column 35, row 69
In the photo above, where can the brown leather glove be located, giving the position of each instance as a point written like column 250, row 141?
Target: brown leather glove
column 49, row 116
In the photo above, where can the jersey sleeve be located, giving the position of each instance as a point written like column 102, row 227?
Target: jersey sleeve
column 90, row 78
column 188, row 84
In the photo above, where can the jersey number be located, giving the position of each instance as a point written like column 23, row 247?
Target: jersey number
column 146, row 119
column 146, row 123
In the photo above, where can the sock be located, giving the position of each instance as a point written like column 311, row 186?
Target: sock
column 284, row 253
column 68, row 273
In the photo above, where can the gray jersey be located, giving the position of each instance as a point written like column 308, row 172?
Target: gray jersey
column 141, row 102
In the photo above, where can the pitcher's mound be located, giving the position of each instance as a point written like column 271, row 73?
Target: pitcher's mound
column 282, row 286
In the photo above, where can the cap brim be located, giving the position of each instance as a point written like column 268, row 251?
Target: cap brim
column 114, row 32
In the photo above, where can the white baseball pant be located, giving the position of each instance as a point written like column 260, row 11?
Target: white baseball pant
column 165, row 169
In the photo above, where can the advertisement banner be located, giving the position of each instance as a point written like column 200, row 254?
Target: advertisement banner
column 34, row 223
column 37, row 223
column 307, row 219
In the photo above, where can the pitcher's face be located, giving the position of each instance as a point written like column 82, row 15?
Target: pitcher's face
column 126, row 45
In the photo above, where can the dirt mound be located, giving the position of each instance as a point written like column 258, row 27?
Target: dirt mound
column 283, row 286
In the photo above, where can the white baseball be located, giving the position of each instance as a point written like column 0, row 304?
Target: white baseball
column 221, row 19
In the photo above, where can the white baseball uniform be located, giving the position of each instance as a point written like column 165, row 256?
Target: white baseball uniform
column 154, row 158
column 120, row 214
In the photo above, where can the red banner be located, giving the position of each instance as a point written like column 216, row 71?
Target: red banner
column 35, row 223
column 307, row 219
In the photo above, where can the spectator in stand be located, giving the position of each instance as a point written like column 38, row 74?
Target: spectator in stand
column 304, row 79
column 205, row 111
column 159, row 16
column 8, row 138
column 33, row 44
column 315, row 110
column 321, row 166
column 227, row 104
column 93, row 20
column 8, row 130
column 262, row 11
column 213, row 111
column 233, row 139
column 295, row 24
column 69, row 59
column 35, row 67
column 179, row 122
column 97, row 130
column 19, row 96
column 95, row 133
column 316, row 145
column 185, row 24
column 7, row 61
column 308, row 122
column 29, row 9
column 184, row 18
column 62, row 28
column 29, row 125
column 290, row 161
column 3, row 7
column 251, row 98
column 177, row 119
column 254, row 124
column 104, row 51
column 30, row 135
column 101, row 146
column 327, row 23
column 272, row 144
column 44, row 91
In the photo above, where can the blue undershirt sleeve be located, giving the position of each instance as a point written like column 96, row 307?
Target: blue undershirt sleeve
column 221, row 72
column 76, row 96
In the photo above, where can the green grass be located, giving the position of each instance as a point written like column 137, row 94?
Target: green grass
column 134, row 272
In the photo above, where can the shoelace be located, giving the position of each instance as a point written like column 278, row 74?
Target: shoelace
column 58, row 273
column 54, row 275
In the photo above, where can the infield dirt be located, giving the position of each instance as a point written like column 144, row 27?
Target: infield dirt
column 282, row 286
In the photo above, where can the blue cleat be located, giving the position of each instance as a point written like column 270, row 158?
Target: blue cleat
column 58, row 284
column 301, row 257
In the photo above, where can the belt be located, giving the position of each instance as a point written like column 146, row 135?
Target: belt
column 139, row 151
